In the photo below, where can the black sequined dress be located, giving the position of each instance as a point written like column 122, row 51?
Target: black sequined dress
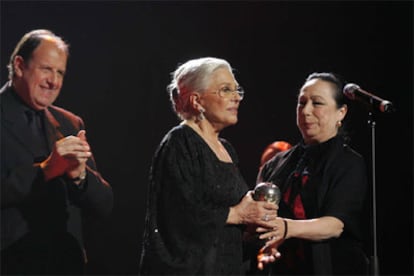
column 189, row 197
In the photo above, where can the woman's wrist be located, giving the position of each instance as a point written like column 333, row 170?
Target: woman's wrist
column 233, row 216
column 286, row 229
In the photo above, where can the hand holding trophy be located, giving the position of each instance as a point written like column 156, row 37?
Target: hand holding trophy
column 267, row 191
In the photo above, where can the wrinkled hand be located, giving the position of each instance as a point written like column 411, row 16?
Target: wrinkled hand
column 260, row 213
column 69, row 155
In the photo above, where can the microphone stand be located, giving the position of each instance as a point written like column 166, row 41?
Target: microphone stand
column 374, row 259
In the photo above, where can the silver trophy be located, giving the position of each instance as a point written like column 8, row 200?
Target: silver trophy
column 267, row 191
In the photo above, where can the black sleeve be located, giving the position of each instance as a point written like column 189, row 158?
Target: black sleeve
column 187, row 223
column 348, row 190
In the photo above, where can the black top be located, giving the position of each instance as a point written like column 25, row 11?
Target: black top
column 336, row 186
column 190, row 193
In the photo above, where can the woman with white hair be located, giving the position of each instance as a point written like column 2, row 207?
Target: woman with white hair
column 198, row 201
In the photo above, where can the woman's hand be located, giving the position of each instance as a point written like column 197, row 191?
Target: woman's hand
column 249, row 211
column 275, row 235
column 267, row 255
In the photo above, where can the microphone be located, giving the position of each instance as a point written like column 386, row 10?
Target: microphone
column 353, row 92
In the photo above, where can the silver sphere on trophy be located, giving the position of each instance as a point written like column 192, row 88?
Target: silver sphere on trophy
column 267, row 191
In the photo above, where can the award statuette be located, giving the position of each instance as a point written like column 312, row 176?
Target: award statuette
column 267, row 191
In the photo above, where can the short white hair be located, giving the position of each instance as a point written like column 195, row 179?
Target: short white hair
column 191, row 76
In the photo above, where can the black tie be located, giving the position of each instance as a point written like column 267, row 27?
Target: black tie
column 39, row 138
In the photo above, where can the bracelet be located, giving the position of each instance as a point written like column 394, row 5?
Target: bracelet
column 286, row 229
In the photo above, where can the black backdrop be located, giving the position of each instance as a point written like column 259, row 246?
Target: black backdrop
column 123, row 52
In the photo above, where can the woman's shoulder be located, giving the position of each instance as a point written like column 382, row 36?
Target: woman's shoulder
column 182, row 138
column 178, row 141
column 346, row 156
column 347, row 150
column 178, row 132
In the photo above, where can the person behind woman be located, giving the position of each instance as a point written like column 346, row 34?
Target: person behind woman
column 272, row 149
column 324, row 186
column 198, row 202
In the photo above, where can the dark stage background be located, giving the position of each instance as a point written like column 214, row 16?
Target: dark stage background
column 123, row 52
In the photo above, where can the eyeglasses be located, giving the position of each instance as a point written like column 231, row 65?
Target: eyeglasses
column 227, row 92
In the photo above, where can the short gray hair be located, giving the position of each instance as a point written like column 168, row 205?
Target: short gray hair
column 191, row 76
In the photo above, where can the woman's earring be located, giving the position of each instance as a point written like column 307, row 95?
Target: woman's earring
column 339, row 124
column 200, row 115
